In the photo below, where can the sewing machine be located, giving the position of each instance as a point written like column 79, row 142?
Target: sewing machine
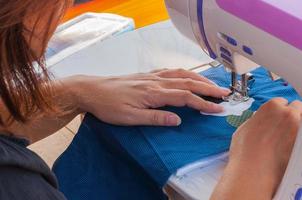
column 243, row 35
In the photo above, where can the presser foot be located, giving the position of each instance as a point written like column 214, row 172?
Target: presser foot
column 236, row 98
column 239, row 90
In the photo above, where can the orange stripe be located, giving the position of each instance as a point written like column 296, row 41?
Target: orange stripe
column 144, row 12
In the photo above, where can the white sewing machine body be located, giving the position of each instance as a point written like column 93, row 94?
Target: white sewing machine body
column 245, row 34
column 240, row 34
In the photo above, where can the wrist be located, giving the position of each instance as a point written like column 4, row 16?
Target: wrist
column 249, row 180
column 73, row 92
column 80, row 89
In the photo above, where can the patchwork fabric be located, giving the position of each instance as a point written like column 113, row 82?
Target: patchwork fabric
column 139, row 160
column 237, row 121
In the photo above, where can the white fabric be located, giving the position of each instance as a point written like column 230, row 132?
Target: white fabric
column 230, row 109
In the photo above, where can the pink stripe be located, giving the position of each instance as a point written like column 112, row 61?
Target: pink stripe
column 280, row 23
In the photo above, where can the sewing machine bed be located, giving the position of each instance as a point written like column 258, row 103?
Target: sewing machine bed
column 117, row 162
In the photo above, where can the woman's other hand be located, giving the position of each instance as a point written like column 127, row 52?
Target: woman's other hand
column 260, row 152
column 133, row 99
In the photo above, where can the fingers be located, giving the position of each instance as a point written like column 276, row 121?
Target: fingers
column 292, row 118
column 181, row 73
column 159, row 70
column 154, row 118
column 279, row 111
column 187, row 80
column 196, row 87
column 297, row 105
column 180, row 98
column 295, row 114
column 169, row 97
column 270, row 109
column 279, row 101
column 273, row 105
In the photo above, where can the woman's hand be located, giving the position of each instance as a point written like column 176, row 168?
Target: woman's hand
column 132, row 100
column 260, row 152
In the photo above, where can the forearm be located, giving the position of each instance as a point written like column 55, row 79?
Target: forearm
column 125, row 100
column 45, row 124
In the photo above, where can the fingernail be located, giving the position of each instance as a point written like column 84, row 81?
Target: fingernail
column 227, row 90
column 173, row 120
column 217, row 107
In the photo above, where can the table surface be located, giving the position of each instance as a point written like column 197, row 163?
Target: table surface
column 156, row 46
column 144, row 12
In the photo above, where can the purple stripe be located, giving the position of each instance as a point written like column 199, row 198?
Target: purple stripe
column 282, row 23
column 202, row 30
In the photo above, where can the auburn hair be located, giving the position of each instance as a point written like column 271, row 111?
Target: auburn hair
column 24, row 79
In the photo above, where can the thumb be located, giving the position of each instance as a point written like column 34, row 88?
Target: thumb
column 156, row 117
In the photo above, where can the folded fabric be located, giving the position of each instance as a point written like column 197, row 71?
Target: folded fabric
column 141, row 159
column 95, row 168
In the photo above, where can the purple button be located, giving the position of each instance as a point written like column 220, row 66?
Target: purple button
column 225, row 51
column 247, row 50
column 226, row 58
column 298, row 195
column 232, row 41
